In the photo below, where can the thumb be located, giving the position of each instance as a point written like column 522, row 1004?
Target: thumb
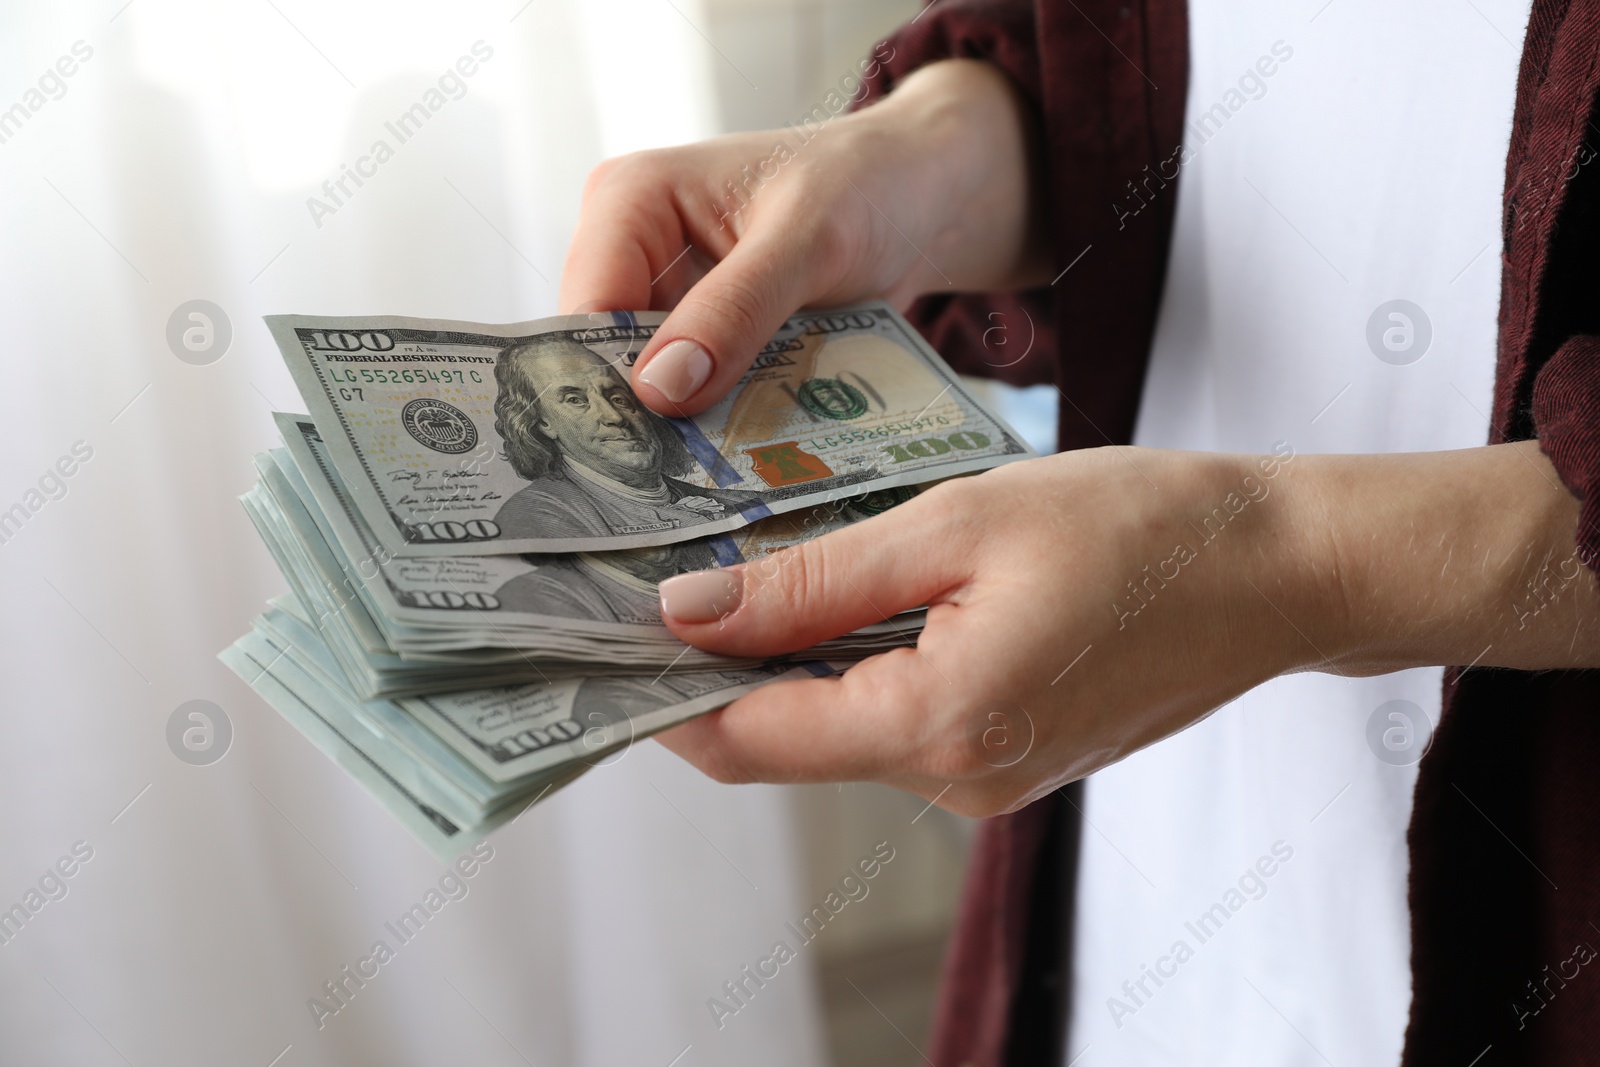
column 712, row 336
column 819, row 589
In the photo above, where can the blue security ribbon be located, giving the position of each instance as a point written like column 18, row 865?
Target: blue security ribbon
column 706, row 454
column 727, row 553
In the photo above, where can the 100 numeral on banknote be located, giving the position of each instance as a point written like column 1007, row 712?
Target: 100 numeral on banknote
column 458, row 438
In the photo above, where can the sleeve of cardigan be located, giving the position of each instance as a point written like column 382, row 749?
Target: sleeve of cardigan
column 1009, row 336
column 1566, row 414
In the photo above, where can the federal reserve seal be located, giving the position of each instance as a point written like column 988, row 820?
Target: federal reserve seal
column 878, row 501
column 832, row 399
column 440, row 426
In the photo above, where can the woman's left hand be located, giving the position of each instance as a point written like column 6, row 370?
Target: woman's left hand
column 1085, row 605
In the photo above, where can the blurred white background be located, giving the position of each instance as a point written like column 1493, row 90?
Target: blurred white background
column 175, row 164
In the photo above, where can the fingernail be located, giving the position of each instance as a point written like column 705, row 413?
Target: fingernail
column 701, row 596
column 678, row 370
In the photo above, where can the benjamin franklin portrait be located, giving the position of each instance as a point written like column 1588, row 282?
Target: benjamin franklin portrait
column 598, row 462
column 604, row 586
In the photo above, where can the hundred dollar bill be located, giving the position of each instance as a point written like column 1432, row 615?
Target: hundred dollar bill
column 378, row 656
column 466, row 762
column 510, row 732
column 272, row 671
column 492, row 601
column 460, row 438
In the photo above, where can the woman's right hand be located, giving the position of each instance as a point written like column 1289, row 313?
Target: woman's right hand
column 927, row 190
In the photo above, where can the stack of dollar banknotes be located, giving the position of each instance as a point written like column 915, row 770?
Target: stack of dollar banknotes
column 473, row 521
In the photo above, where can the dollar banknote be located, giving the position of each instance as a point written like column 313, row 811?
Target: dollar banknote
column 456, row 766
column 411, row 626
column 499, row 600
column 457, row 438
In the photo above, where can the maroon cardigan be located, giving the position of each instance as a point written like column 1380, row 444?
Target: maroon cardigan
column 1504, row 888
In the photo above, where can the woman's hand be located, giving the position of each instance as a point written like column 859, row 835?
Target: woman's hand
column 1057, row 641
column 1085, row 605
column 925, row 190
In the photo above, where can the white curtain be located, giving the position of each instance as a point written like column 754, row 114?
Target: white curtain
column 174, row 163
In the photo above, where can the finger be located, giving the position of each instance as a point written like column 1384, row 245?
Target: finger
column 862, row 574
column 617, row 249
column 713, row 335
column 855, row 727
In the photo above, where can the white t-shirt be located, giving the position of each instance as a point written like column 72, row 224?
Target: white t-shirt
column 1242, row 888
